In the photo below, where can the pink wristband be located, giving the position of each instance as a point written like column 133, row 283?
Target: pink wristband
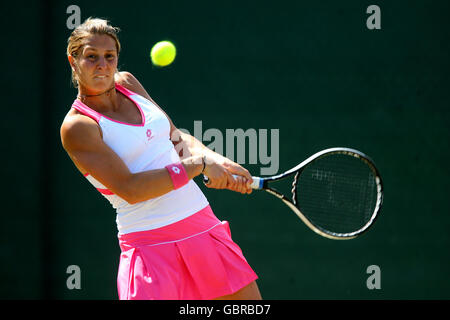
column 177, row 174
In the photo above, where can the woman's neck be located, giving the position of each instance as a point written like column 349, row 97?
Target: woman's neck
column 101, row 102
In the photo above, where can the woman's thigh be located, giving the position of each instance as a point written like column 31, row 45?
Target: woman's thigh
column 249, row 292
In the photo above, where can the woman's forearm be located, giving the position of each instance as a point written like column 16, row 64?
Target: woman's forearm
column 155, row 183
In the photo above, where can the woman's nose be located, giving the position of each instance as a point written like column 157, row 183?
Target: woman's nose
column 102, row 62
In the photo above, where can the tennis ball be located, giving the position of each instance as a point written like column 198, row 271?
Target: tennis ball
column 163, row 53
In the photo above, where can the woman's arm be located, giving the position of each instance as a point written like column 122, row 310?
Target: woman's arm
column 219, row 169
column 82, row 140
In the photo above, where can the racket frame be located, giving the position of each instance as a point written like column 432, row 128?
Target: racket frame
column 260, row 183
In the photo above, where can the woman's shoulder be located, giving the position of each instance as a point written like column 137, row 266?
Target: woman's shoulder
column 129, row 81
column 75, row 126
column 124, row 78
column 74, row 117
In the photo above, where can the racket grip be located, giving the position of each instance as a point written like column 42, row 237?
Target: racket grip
column 256, row 184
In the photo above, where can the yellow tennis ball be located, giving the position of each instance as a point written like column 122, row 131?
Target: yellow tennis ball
column 163, row 53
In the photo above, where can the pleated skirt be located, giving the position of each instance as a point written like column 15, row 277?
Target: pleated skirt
column 192, row 259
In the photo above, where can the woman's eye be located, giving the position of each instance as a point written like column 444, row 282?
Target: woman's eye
column 91, row 56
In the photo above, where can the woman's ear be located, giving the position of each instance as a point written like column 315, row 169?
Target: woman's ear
column 71, row 61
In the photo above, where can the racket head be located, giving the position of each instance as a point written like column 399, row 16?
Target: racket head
column 337, row 192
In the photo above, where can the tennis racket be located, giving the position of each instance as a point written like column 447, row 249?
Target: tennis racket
column 337, row 192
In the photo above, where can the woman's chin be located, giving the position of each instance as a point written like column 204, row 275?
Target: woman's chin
column 101, row 85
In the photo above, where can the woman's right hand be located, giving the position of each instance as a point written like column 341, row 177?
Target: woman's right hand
column 218, row 176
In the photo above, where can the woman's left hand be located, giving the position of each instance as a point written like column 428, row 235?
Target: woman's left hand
column 241, row 183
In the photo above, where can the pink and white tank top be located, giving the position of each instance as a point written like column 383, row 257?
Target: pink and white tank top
column 142, row 147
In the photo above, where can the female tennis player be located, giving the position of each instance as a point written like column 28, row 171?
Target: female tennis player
column 172, row 244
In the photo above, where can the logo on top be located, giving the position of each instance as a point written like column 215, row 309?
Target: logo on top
column 149, row 134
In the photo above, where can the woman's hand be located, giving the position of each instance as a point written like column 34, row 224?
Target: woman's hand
column 220, row 171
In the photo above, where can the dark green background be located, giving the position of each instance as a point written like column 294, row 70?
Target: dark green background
column 308, row 68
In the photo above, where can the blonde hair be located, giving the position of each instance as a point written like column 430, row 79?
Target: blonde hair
column 89, row 27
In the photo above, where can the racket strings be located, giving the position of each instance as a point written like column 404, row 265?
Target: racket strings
column 337, row 193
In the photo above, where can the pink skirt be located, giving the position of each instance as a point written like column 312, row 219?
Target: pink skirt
column 192, row 259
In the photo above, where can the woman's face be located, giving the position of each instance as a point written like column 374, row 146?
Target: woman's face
column 96, row 64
